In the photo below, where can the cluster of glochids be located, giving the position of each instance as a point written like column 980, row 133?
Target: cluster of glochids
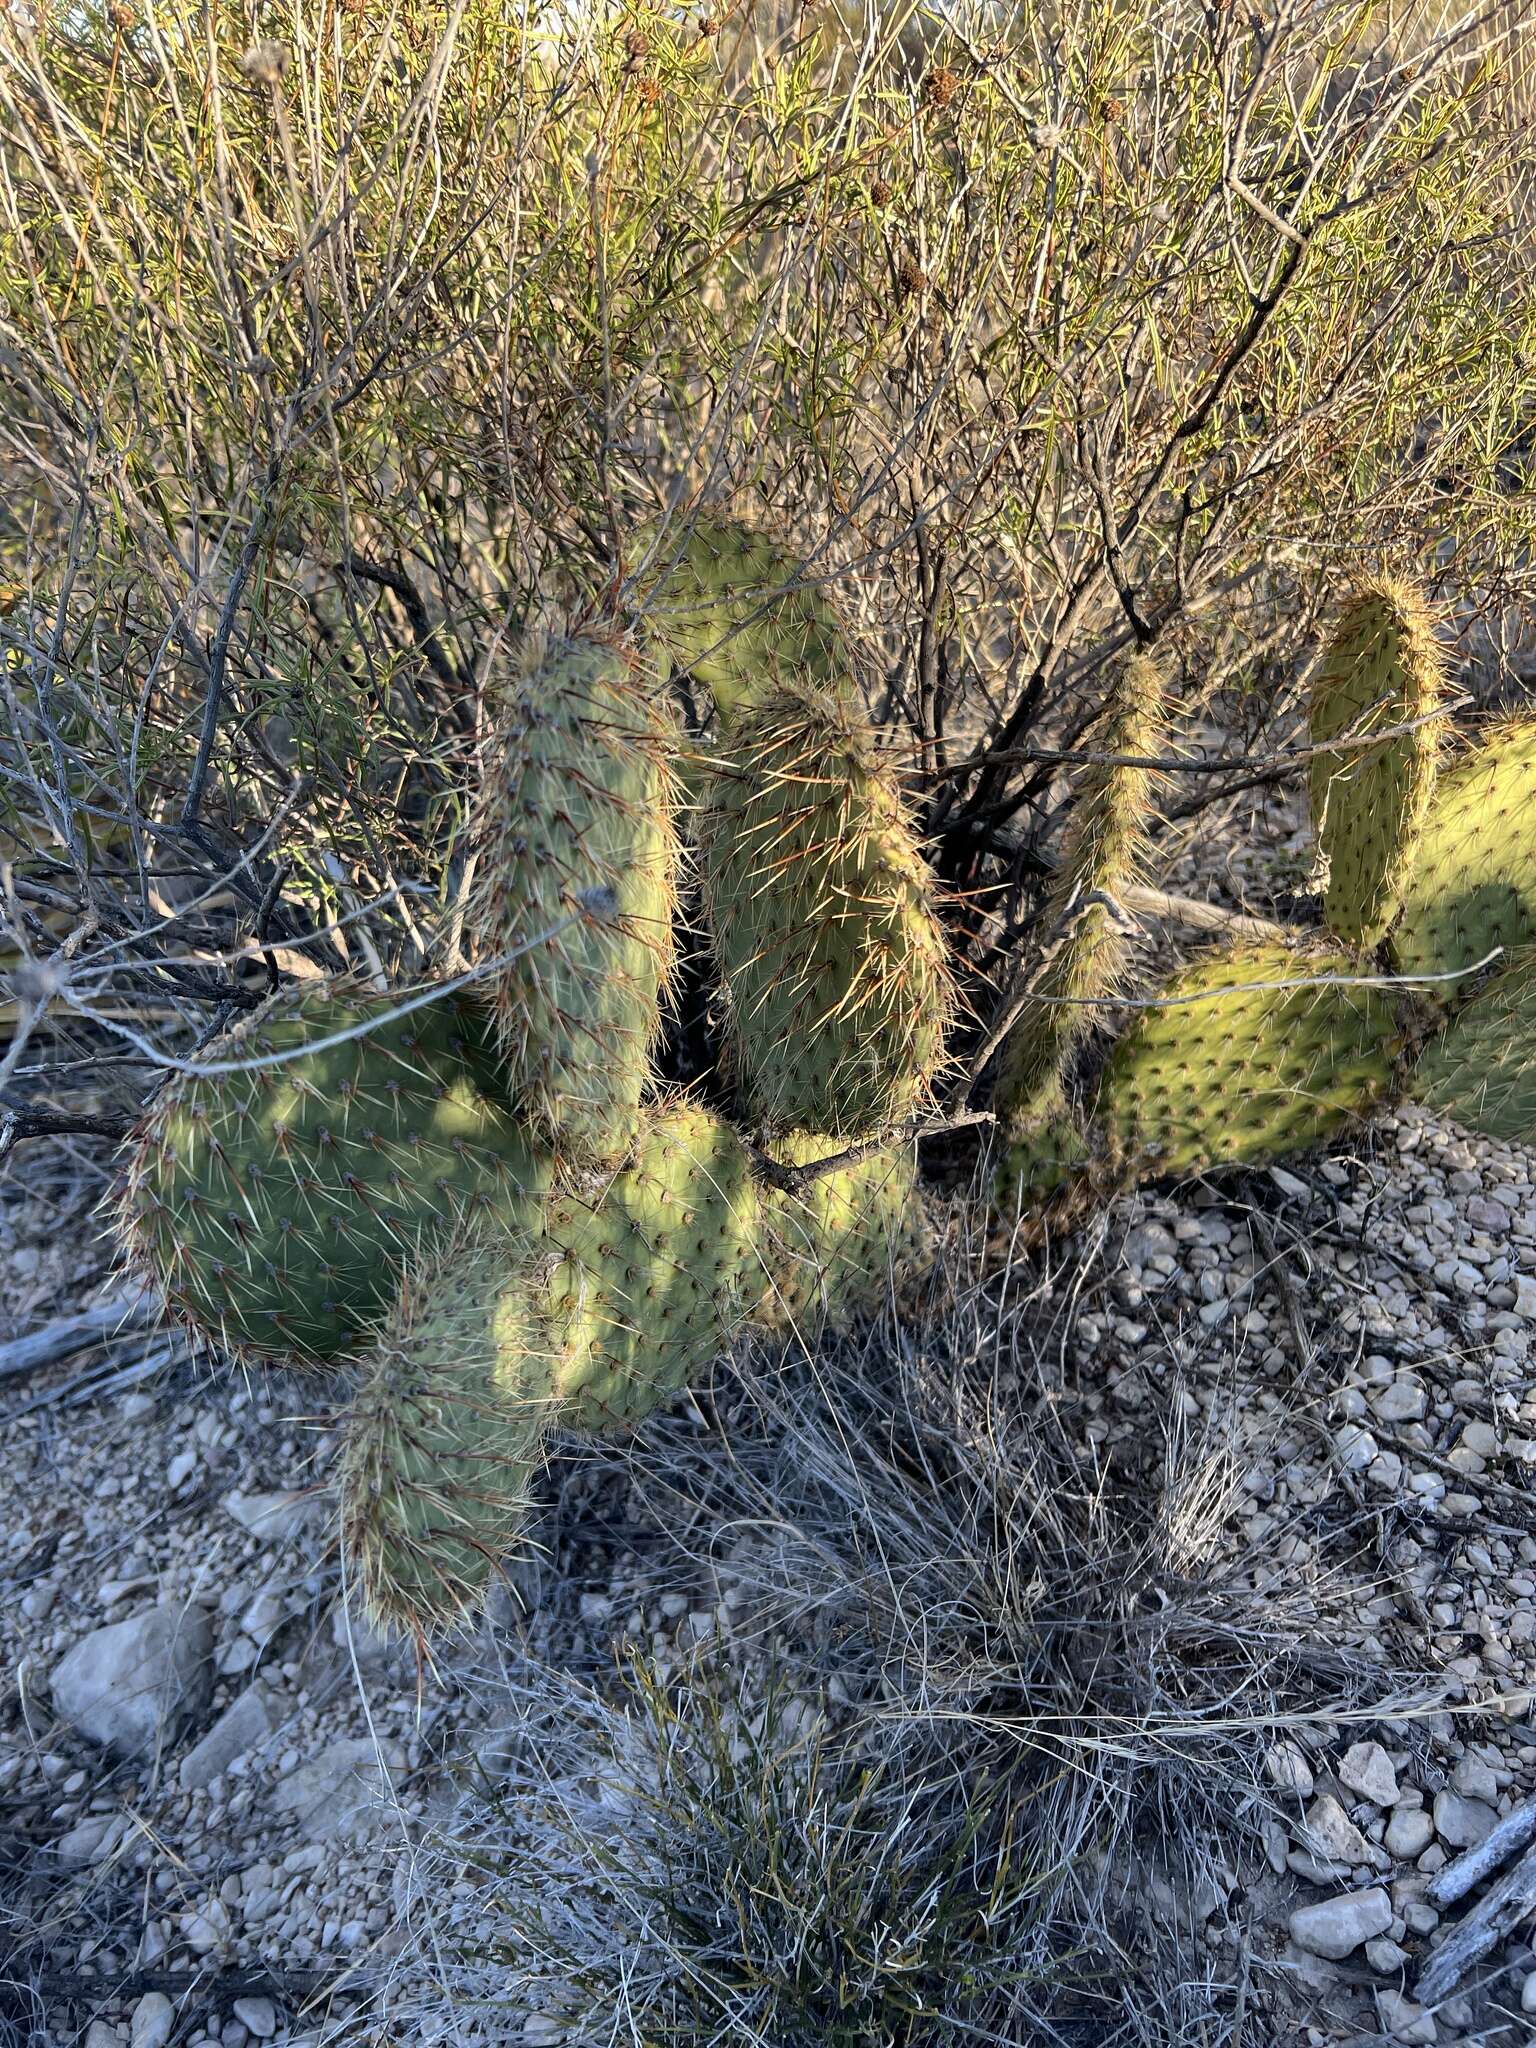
column 480, row 1205
column 484, row 1209
column 1423, row 984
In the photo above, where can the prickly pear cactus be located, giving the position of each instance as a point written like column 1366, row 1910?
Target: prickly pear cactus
column 1383, row 668
column 833, row 963
column 737, row 610
column 653, row 1268
column 1083, row 925
column 442, row 1442
column 1473, row 887
column 275, row 1191
column 1239, row 1065
column 838, row 1246
column 574, row 827
column 1481, row 1069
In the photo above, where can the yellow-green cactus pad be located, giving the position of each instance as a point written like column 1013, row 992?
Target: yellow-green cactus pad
column 1083, row 927
column 653, row 1268
column 737, row 610
column 575, row 835
column 1383, row 669
column 840, row 1245
column 276, row 1204
column 1038, row 1163
column 1238, row 1064
column 1481, row 1070
column 831, row 956
column 1474, row 885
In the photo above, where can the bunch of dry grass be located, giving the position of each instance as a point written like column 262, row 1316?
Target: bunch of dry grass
column 967, row 1766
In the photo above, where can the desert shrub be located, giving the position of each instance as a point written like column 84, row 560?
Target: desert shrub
column 338, row 342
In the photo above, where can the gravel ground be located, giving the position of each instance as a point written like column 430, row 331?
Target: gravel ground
column 214, row 1852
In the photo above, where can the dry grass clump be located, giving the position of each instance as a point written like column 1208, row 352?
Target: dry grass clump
column 962, row 1768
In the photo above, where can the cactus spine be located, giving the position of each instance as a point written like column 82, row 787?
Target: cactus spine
column 1383, row 669
column 574, row 836
column 1085, row 929
column 832, row 961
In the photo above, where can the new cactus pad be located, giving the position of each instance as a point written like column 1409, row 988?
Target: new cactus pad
column 1473, row 887
column 574, row 838
column 1083, row 926
column 832, row 961
column 1383, row 669
column 837, row 1246
column 1237, row 1065
column 738, row 611
column 1481, row 1069
column 275, row 1203
column 653, row 1268
column 442, row 1441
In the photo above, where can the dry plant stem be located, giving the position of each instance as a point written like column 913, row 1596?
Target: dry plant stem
column 1496, row 1916
column 793, row 1180
column 118, row 1317
column 1516, row 1831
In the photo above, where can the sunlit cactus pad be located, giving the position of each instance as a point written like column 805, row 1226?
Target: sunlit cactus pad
column 1238, row 1065
column 574, row 835
column 276, row 1203
column 832, row 960
column 1481, row 1069
column 840, row 1244
column 1473, row 887
column 653, row 1268
column 1383, row 669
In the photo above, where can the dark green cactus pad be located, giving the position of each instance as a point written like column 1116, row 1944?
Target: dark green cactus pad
column 276, row 1205
column 574, row 833
column 1481, row 1069
column 1039, row 1164
column 1474, row 885
column 832, row 959
column 736, row 609
column 843, row 1243
column 1383, row 668
column 1081, row 924
column 652, row 1269
column 1236, row 1069
column 442, row 1442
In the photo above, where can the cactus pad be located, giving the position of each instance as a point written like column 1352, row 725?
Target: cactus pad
column 838, row 1247
column 276, row 1204
column 1083, row 926
column 1481, row 1070
column 577, row 795
column 735, row 608
column 1039, row 1164
column 653, row 1269
column 1474, row 885
column 1232, row 1072
column 442, row 1441
column 834, row 964
column 1383, row 668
